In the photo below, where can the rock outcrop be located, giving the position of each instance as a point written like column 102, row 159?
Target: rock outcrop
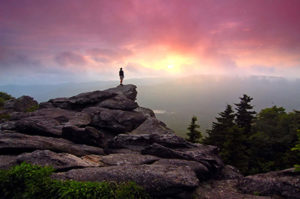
column 105, row 135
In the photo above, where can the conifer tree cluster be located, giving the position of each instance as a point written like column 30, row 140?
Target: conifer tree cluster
column 255, row 143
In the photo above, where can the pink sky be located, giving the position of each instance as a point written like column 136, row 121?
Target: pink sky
column 85, row 40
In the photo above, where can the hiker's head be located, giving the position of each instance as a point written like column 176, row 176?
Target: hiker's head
column 121, row 69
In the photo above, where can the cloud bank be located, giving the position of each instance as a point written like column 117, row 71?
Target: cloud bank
column 89, row 39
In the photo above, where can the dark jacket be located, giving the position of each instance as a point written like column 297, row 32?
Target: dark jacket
column 121, row 73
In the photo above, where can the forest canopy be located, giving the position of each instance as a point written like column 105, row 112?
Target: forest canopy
column 256, row 143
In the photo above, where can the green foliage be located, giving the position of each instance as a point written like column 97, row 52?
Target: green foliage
column 194, row 135
column 25, row 181
column 256, row 144
column 244, row 115
column 225, row 122
column 34, row 182
column 33, row 108
column 297, row 148
column 5, row 96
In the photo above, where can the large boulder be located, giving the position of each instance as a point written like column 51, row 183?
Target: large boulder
column 152, row 126
column 16, row 143
column 49, row 122
column 87, row 135
column 158, row 180
column 285, row 183
column 128, row 91
column 81, row 101
column 140, row 141
column 205, row 156
column 118, row 102
column 117, row 121
column 21, row 104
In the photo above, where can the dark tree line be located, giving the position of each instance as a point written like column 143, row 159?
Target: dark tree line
column 255, row 143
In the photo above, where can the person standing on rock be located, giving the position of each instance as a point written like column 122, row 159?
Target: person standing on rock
column 121, row 74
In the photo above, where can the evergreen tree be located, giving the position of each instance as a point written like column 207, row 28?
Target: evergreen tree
column 245, row 114
column 194, row 135
column 216, row 135
column 297, row 148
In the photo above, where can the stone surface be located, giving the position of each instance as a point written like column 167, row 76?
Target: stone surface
column 119, row 102
column 152, row 126
column 109, row 137
column 224, row 189
column 145, row 111
column 210, row 160
column 201, row 171
column 21, row 104
column 87, row 135
column 128, row 91
column 229, row 172
column 16, row 143
column 285, row 183
column 80, row 101
column 117, row 121
column 59, row 161
column 158, row 180
column 94, row 160
column 7, row 161
column 140, row 141
column 128, row 158
column 49, row 122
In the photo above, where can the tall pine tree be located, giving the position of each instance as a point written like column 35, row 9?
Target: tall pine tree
column 216, row 135
column 245, row 114
column 194, row 135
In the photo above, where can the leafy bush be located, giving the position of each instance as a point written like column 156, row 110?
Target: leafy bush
column 31, row 181
column 33, row 108
column 4, row 97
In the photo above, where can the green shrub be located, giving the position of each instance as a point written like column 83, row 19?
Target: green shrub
column 5, row 96
column 33, row 108
column 34, row 182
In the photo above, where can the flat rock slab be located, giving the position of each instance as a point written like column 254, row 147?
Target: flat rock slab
column 125, row 159
column 140, row 141
column 59, row 161
column 16, row 143
column 82, row 100
column 49, row 121
column 285, row 183
column 210, row 160
column 158, row 180
column 201, row 171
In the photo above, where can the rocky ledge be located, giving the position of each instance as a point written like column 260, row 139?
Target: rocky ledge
column 105, row 135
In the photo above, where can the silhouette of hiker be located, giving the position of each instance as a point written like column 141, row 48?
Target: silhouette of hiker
column 121, row 74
